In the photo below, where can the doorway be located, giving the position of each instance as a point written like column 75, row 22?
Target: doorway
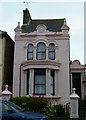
column 76, row 79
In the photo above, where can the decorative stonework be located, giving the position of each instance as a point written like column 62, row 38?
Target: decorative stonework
column 6, row 94
column 41, row 28
column 41, row 64
column 74, row 104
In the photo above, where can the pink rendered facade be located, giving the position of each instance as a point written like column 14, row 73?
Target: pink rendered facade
column 41, row 63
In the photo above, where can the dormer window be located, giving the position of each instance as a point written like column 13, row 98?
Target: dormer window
column 30, row 52
column 41, row 51
column 51, row 51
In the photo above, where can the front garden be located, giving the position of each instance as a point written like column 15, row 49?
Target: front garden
column 40, row 105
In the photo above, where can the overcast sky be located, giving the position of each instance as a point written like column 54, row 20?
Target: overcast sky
column 12, row 11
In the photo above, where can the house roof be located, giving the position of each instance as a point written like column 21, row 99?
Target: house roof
column 2, row 32
column 53, row 25
column 5, row 34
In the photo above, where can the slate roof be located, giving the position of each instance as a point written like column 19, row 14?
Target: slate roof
column 5, row 34
column 2, row 32
column 53, row 25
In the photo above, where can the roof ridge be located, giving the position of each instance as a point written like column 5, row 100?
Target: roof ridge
column 47, row 19
column 2, row 31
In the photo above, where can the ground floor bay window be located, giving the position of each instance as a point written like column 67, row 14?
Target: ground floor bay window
column 41, row 81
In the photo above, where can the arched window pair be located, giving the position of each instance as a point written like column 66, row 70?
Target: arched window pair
column 41, row 51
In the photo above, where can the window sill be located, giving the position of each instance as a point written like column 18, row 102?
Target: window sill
column 52, row 97
column 48, row 97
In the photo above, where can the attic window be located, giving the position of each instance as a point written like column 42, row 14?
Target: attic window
column 41, row 28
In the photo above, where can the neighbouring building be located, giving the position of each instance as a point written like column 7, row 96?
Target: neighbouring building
column 6, row 60
column 78, row 78
column 41, row 59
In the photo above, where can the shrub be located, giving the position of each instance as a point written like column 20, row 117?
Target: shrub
column 32, row 103
column 49, row 110
column 21, row 101
column 37, row 104
column 60, row 110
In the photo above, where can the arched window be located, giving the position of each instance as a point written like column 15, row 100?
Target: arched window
column 52, row 51
column 30, row 52
column 41, row 51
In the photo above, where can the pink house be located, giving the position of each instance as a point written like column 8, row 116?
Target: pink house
column 41, row 59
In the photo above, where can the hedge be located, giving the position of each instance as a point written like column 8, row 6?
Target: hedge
column 41, row 105
column 31, row 103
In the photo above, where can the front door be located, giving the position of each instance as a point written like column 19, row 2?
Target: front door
column 76, row 79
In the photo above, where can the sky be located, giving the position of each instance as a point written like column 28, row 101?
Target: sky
column 12, row 11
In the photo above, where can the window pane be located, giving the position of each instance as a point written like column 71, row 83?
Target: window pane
column 28, row 78
column 51, row 55
column 52, row 82
column 41, row 56
column 40, row 82
column 51, row 79
column 30, row 52
column 30, row 56
column 40, row 89
column 41, row 51
column 52, row 51
column 39, row 79
column 52, row 47
column 51, row 89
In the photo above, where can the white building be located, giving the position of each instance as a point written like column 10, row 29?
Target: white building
column 41, row 60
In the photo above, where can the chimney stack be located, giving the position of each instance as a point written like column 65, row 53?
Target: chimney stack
column 26, row 16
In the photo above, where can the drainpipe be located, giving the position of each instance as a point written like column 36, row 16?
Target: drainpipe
column 20, row 81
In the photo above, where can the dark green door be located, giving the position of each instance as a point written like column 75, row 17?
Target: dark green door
column 76, row 79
